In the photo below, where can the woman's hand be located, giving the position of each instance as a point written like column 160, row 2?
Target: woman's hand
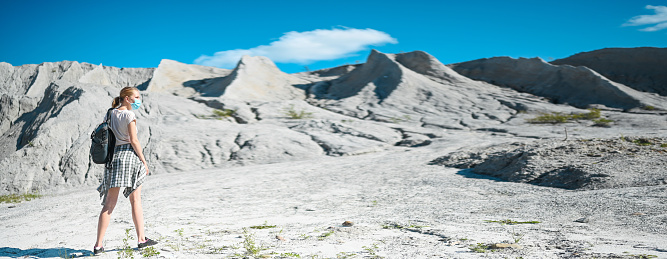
column 146, row 166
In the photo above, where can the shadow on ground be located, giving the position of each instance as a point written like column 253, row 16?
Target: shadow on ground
column 61, row 252
column 468, row 173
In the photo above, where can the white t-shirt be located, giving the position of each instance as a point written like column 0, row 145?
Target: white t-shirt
column 118, row 123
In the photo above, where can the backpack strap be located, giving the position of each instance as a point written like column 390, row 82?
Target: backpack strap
column 108, row 117
column 112, row 141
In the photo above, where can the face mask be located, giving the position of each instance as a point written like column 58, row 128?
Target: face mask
column 136, row 104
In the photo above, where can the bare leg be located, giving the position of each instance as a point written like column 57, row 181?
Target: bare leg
column 137, row 214
column 105, row 214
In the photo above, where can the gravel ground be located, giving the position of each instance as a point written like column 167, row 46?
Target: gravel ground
column 399, row 204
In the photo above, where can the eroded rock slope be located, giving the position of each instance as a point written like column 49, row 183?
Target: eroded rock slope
column 197, row 117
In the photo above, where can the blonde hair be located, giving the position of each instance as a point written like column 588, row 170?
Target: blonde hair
column 125, row 92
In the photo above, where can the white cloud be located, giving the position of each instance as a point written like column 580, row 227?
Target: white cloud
column 658, row 20
column 304, row 47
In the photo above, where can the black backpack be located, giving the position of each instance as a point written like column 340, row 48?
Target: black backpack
column 101, row 150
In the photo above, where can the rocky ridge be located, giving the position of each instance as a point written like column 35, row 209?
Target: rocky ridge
column 640, row 68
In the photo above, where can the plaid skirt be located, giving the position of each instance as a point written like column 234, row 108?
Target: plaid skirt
column 126, row 170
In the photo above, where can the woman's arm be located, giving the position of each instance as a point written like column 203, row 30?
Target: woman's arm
column 134, row 141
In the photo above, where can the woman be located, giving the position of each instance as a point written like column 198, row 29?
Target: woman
column 128, row 170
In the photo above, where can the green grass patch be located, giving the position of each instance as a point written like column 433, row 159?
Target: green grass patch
column 649, row 108
column 512, row 222
column 591, row 114
column 17, row 198
column 264, row 226
column 663, row 145
column 223, row 113
column 553, row 118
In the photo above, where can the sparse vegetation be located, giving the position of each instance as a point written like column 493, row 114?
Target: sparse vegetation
column 177, row 246
column 479, row 248
column 62, row 253
column 344, row 255
column 649, row 108
column 642, row 142
column 602, row 122
column 217, row 114
column 126, row 251
column 264, row 226
column 223, row 113
column 149, row 252
column 290, row 254
column 553, row 118
column 294, row 114
column 372, row 250
column 251, row 248
column 17, row 198
column 512, row 222
column 517, row 236
column 398, row 226
column 590, row 115
column 325, row 235
column 643, row 256
column 557, row 117
column 663, row 145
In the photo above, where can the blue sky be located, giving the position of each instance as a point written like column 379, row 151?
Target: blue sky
column 318, row 34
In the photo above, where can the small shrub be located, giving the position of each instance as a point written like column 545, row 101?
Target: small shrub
column 294, row 114
column 663, row 145
column 602, row 122
column 223, row 113
column 649, row 108
column 249, row 244
column 149, row 252
column 126, row 251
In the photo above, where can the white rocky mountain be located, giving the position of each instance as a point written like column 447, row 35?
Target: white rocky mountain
column 264, row 115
